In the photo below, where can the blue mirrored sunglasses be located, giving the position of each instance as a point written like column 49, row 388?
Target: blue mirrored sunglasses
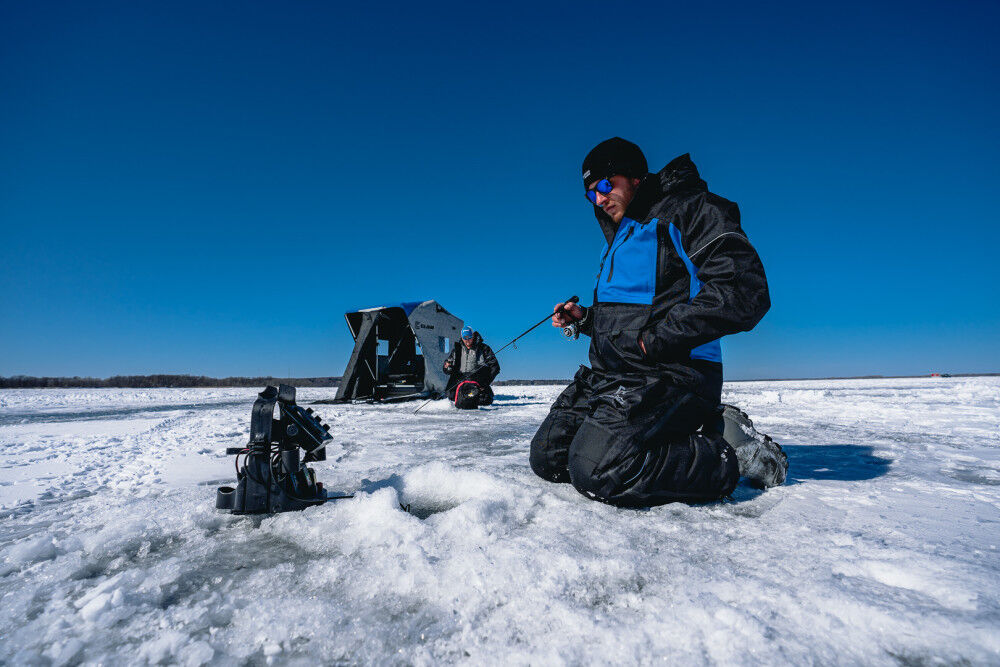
column 603, row 186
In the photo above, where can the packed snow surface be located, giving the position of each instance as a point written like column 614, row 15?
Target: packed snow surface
column 880, row 549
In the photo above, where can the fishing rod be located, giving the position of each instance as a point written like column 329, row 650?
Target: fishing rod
column 572, row 299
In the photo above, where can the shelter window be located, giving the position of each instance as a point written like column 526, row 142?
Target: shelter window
column 444, row 344
column 383, row 348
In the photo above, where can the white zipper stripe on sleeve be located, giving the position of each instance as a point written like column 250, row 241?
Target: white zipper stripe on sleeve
column 716, row 239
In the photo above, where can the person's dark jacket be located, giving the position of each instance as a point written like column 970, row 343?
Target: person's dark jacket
column 680, row 273
column 481, row 357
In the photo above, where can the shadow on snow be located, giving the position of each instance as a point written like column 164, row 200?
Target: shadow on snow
column 845, row 463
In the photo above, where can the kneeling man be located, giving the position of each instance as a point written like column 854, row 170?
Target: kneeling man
column 645, row 425
column 471, row 362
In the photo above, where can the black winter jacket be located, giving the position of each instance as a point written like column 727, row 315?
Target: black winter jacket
column 680, row 273
column 486, row 362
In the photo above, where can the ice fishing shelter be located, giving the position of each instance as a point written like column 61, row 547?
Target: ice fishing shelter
column 399, row 351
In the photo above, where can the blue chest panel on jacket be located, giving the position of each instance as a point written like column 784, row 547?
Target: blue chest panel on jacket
column 712, row 350
column 628, row 265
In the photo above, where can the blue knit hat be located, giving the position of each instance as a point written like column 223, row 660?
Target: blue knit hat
column 467, row 332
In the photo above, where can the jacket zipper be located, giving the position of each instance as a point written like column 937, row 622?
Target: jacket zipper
column 611, row 269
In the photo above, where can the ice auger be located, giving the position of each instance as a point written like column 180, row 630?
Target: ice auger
column 270, row 474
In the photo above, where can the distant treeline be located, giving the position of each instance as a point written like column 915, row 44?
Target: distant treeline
column 151, row 381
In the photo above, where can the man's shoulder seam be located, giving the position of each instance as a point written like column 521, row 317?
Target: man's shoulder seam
column 737, row 234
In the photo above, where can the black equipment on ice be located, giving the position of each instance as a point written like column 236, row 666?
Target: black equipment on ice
column 398, row 352
column 467, row 395
column 273, row 477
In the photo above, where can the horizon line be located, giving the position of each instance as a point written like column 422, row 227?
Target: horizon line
column 75, row 381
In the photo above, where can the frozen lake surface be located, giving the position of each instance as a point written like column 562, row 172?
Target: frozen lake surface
column 882, row 548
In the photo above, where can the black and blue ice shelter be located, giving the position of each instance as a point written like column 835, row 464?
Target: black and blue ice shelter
column 398, row 351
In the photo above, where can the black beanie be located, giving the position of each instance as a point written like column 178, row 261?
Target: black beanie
column 614, row 156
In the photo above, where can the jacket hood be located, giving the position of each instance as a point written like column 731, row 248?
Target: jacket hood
column 680, row 175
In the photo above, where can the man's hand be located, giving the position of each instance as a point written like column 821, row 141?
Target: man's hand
column 566, row 313
column 447, row 367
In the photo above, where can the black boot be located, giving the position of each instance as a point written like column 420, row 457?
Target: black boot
column 761, row 459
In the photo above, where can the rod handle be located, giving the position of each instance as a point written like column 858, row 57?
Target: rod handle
column 572, row 299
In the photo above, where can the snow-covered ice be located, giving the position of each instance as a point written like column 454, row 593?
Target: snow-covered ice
column 882, row 548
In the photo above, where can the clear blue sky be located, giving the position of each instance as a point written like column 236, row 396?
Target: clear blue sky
column 206, row 187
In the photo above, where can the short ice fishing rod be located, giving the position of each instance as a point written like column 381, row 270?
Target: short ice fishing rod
column 572, row 299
